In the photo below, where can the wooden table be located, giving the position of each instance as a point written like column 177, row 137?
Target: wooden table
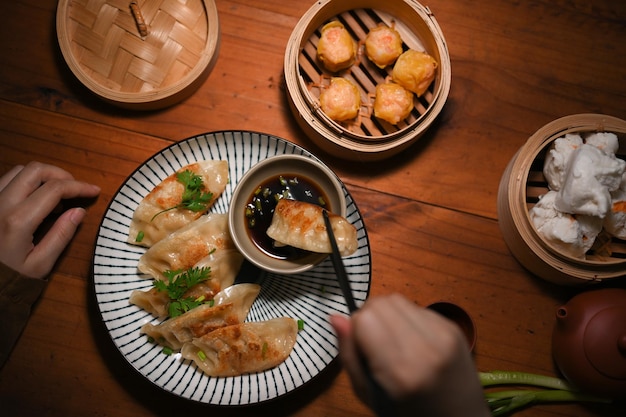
column 430, row 212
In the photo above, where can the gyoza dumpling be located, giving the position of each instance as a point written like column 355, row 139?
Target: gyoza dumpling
column 383, row 45
column 415, row 71
column 393, row 102
column 146, row 229
column 301, row 225
column 341, row 100
column 187, row 246
column 243, row 348
column 224, row 266
column 230, row 307
column 153, row 301
column 336, row 49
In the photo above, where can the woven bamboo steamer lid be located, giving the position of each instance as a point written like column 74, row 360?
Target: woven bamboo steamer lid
column 144, row 54
column 367, row 139
column 523, row 182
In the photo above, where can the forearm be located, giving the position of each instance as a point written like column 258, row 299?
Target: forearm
column 17, row 296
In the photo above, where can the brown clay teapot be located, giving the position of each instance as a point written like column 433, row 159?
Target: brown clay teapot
column 589, row 341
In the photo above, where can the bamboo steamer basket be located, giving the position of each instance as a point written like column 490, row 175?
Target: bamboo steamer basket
column 366, row 138
column 522, row 184
column 142, row 55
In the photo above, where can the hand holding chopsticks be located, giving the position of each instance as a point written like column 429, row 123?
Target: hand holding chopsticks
column 422, row 356
column 383, row 406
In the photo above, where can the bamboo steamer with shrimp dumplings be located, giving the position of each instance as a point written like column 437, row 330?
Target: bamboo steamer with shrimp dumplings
column 364, row 137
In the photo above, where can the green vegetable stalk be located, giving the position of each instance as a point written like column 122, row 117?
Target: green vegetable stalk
column 546, row 390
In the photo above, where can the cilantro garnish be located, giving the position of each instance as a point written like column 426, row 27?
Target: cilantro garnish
column 194, row 196
column 176, row 285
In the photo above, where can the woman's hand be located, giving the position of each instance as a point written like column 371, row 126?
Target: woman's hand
column 28, row 194
column 420, row 358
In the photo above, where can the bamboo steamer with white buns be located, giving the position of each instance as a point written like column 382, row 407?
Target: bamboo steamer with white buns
column 523, row 184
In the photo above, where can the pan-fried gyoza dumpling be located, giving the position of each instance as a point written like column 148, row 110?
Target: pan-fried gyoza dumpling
column 224, row 266
column 243, row 348
column 146, row 229
column 187, row 246
column 301, row 225
column 230, row 307
column 153, row 301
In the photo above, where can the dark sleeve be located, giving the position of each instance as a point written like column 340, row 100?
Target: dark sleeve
column 17, row 296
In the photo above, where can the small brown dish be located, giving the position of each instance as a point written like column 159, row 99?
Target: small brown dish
column 459, row 316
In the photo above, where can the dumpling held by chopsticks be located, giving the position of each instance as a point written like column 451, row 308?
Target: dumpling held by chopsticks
column 301, row 225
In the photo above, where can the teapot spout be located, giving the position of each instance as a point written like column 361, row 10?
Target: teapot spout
column 563, row 316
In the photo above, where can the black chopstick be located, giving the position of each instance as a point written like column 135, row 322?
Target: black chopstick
column 335, row 257
column 382, row 404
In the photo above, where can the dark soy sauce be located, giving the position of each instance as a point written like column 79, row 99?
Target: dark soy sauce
column 260, row 207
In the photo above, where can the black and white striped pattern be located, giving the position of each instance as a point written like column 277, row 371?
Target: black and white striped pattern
column 310, row 296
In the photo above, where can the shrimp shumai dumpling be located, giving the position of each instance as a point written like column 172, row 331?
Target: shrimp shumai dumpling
column 415, row 70
column 341, row 100
column 383, row 45
column 393, row 103
column 336, row 49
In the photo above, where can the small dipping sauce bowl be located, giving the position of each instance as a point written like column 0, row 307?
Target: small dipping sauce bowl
column 459, row 316
column 255, row 196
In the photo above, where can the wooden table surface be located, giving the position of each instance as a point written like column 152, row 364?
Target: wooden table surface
column 430, row 212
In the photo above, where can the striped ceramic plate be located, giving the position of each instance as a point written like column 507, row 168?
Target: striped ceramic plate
column 310, row 296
